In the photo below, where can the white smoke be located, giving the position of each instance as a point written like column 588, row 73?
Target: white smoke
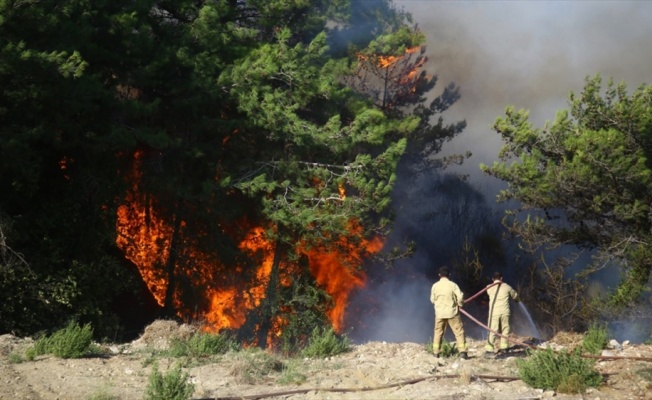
column 529, row 54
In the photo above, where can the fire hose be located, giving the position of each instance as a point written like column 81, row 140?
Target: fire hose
column 480, row 292
column 485, row 326
column 353, row 390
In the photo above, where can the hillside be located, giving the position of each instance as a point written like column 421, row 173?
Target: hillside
column 374, row 370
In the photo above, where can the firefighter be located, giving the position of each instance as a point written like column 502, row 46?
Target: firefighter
column 499, row 312
column 447, row 298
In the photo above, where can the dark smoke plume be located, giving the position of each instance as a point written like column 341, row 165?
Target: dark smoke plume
column 523, row 53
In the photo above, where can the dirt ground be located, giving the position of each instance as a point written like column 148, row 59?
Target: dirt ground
column 374, row 370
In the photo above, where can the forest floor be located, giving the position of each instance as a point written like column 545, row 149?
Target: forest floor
column 374, row 370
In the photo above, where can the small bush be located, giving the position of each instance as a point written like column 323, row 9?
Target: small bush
column 31, row 353
column 73, row 341
column 103, row 394
column 252, row 365
column 325, row 343
column 291, row 374
column 172, row 385
column 203, row 344
column 561, row 371
column 16, row 358
column 646, row 376
column 595, row 339
column 150, row 358
column 447, row 349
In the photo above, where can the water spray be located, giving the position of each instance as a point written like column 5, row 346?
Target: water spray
column 533, row 326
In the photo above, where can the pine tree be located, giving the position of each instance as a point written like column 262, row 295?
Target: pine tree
column 585, row 179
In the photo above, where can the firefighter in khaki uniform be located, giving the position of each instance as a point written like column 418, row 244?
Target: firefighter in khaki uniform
column 499, row 311
column 447, row 298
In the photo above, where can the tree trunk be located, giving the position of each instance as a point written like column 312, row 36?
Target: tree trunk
column 170, row 267
column 270, row 305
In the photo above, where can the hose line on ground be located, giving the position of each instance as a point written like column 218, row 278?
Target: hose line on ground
column 351, row 390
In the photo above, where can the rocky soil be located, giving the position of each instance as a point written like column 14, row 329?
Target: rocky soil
column 374, row 370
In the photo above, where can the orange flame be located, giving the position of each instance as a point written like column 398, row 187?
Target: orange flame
column 386, row 61
column 63, row 165
column 335, row 271
column 143, row 237
column 146, row 238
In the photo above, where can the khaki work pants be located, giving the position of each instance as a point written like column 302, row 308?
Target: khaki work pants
column 500, row 324
column 458, row 330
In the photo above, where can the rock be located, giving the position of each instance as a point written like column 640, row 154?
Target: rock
column 613, row 344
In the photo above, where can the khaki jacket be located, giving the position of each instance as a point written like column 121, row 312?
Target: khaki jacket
column 499, row 296
column 447, row 297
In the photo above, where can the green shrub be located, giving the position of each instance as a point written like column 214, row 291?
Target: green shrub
column 41, row 346
column 572, row 384
column 291, row 374
column 31, row 353
column 645, row 374
column 172, row 385
column 595, row 339
column 73, row 341
column 202, row 344
column 308, row 313
column 325, row 343
column 447, row 349
column 649, row 339
column 16, row 358
column 561, row 371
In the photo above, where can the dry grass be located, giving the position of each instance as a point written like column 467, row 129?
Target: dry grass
column 160, row 334
column 646, row 375
column 465, row 376
column 570, row 340
column 253, row 366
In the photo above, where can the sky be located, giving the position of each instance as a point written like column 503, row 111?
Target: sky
column 526, row 54
column 529, row 54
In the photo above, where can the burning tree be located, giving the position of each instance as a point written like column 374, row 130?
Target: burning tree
column 392, row 72
column 253, row 181
column 301, row 173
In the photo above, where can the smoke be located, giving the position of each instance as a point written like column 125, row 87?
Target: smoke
column 397, row 312
column 437, row 212
column 527, row 54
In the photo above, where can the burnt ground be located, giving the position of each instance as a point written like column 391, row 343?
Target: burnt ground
column 373, row 370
